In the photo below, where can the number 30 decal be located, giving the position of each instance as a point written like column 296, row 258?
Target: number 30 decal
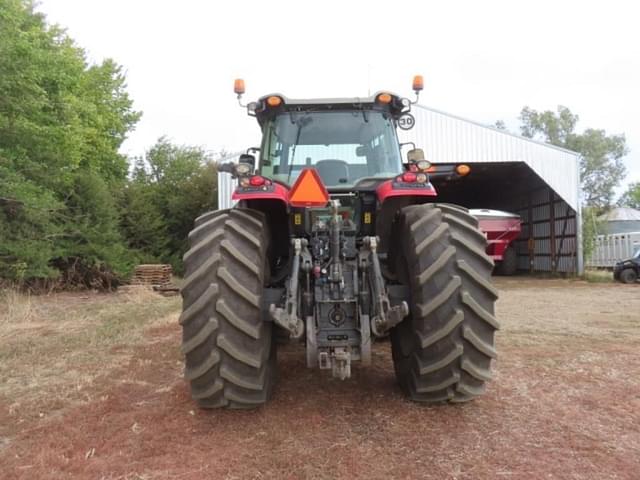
column 406, row 121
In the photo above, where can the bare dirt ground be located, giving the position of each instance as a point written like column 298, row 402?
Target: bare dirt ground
column 91, row 387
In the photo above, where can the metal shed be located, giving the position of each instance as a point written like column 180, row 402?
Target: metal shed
column 620, row 220
column 538, row 181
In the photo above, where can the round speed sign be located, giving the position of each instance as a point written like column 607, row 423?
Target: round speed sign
column 406, row 121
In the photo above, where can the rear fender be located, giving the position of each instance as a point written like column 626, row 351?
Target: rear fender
column 393, row 188
column 275, row 191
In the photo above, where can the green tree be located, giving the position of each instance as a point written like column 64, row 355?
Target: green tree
column 592, row 226
column 631, row 197
column 62, row 122
column 601, row 167
column 29, row 227
column 170, row 187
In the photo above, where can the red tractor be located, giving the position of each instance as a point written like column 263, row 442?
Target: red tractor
column 336, row 242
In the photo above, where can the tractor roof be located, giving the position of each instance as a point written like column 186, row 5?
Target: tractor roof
column 264, row 110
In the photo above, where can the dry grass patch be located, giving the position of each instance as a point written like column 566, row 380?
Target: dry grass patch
column 52, row 348
column 598, row 276
column 15, row 309
column 568, row 313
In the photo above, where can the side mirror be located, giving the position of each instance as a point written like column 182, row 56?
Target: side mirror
column 415, row 155
column 248, row 158
column 361, row 151
column 244, row 166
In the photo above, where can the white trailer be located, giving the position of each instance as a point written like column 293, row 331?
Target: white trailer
column 610, row 249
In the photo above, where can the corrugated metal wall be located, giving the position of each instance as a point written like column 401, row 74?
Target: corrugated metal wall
column 549, row 239
column 226, row 184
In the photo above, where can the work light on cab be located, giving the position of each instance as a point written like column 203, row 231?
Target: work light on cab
column 242, row 169
column 423, row 165
column 384, row 98
column 274, row 101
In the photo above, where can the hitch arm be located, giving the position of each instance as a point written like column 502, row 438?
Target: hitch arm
column 287, row 317
column 384, row 317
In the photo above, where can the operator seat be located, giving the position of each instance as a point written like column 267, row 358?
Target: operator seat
column 333, row 172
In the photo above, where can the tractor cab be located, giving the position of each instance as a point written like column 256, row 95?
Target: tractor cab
column 345, row 142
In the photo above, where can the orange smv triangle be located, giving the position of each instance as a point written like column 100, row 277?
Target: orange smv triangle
column 308, row 191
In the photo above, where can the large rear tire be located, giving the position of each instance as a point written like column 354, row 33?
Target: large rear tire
column 230, row 355
column 443, row 350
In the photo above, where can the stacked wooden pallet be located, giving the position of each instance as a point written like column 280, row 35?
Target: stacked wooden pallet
column 153, row 275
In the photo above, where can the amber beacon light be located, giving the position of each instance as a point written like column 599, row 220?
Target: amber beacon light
column 418, row 83
column 238, row 86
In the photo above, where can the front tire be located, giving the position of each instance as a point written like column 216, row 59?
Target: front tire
column 628, row 275
column 443, row 350
column 230, row 353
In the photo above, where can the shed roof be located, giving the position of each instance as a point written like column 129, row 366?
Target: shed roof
column 449, row 138
column 621, row 214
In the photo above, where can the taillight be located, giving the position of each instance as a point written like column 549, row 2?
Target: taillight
column 409, row 177
column 257, row 181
